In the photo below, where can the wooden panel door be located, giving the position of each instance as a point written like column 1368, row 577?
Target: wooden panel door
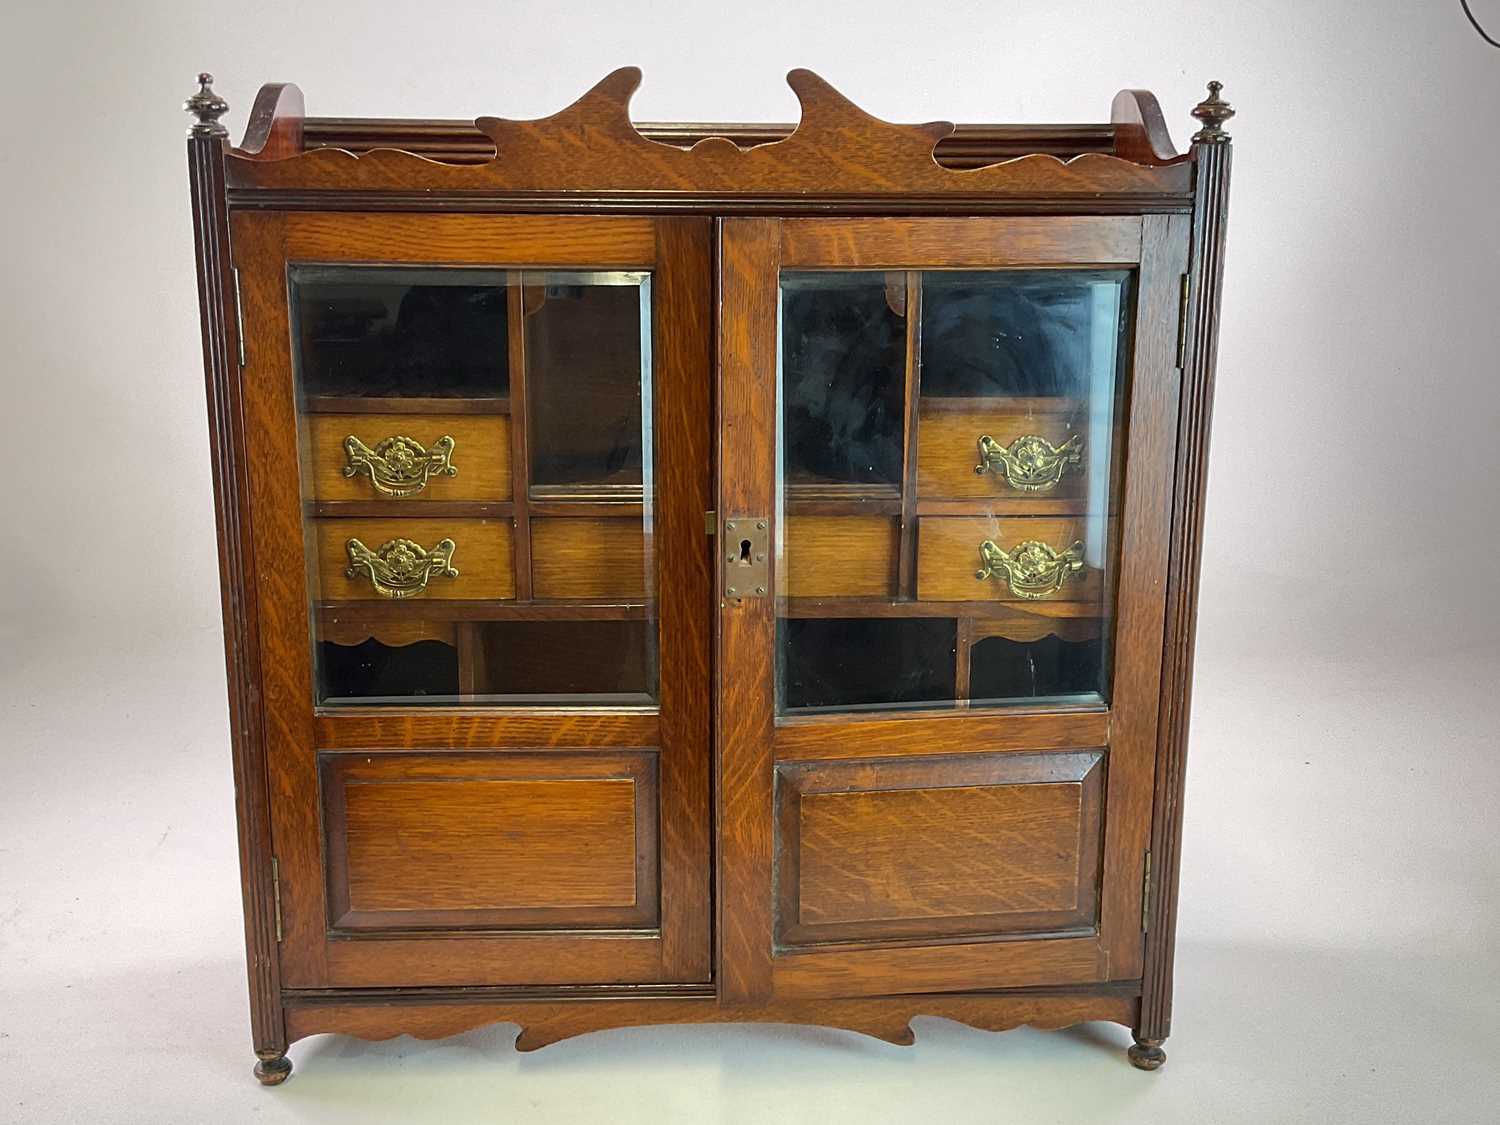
column 947, row 454
column 480, row 461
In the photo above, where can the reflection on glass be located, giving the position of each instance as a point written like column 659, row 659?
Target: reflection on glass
column 843, row 348
column 517, row 589
column 587, row 362
column 991, row 533
column 400, row 332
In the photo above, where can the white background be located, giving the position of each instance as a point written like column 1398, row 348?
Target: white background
column 1338, row 954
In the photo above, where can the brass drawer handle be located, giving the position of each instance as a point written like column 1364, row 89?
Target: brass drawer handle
column 1030, row 463
column 399, row 466
column 400, row 568
column 1033, row 570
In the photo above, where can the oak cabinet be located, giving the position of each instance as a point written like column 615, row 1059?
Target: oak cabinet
column 690, row 574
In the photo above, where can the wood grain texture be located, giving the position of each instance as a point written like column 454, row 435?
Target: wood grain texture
column 841, row 556
column 949, row 451
column 975, row 243
column 281, row 587
column 484, row 728
column 1200, row 355
column 481, row 454
column 749, row 255
column 585, row 242
column 484, row 557
column 495, row 841
column 546, row 1021
column 677, row 949
column 954, row 966
column 682, row 427
column 948, row 557
column 456, row 141
column 934, row 847
column 235, row 541
column 592, row 145
column 1142, row 538
column 588, row 558
column 832, row 736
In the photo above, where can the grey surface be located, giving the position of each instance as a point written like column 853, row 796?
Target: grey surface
column 1338, row 953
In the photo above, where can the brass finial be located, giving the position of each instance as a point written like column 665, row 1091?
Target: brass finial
column 207, row 107
column 1213, row 111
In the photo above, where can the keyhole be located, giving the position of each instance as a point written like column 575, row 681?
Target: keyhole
column 744, row 552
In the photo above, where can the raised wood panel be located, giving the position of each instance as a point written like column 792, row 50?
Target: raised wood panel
column 481, row 454
column 841, row 556
column 588, row 558
column 948, row 558
column 924, row 848
column 948, row 448
column 493, row 841
column 483, row 556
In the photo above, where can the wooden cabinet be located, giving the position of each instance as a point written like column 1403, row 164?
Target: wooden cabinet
column 671, row 578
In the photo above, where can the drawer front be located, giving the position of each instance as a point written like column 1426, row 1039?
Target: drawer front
column 384, row 565
column 841, row 556
column 410, row 457
column 1027, row 449
column 588, row 559
column 1026, row 559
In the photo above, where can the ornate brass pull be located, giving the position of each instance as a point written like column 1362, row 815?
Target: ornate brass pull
column 400, row 568
column 1033, row 570
column 399, row 466
column 1030, row 463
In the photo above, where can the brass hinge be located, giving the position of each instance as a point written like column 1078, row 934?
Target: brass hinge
column 1182, row 315
column 1146, row 896
column 239, row 316
column 710, row 523
column 276, row 892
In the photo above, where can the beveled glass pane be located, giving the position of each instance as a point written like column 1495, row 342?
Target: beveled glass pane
column 947, row 509
column 441, row 569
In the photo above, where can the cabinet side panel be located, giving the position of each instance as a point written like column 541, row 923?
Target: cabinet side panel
column 1199, row 361
column 237, row 587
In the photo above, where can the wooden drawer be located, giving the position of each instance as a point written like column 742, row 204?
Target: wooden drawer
column 1037, row 449
column 841, row 556
column 587, row 558
column 388, row 463
column 949, row 558
column 482, row 553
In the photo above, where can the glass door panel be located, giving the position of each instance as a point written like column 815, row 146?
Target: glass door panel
column 948, row 482
column 476, row 466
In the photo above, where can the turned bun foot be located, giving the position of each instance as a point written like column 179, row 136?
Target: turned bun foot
column 274, row 1070
column 1146, row 1054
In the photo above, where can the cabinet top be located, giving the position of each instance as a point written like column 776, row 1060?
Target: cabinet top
column 591, row 153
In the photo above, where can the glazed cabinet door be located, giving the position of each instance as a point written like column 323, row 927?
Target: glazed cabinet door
column 947, row 456
column 481, row 450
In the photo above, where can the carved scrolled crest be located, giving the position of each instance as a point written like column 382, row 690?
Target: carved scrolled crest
column 592, row 146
